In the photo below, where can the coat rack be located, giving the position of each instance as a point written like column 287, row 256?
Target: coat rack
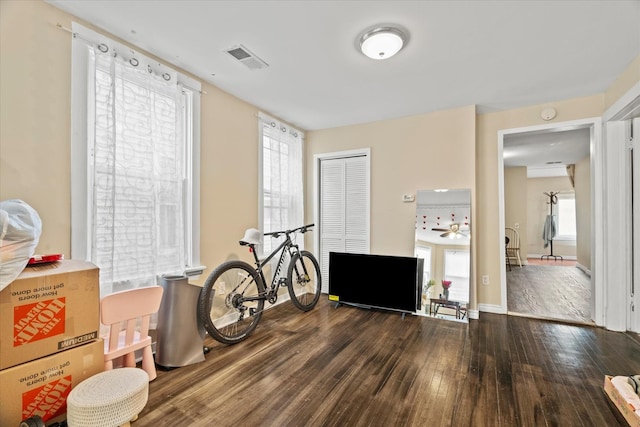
column 549, row 230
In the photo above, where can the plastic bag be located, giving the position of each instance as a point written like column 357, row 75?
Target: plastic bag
column 20, row 229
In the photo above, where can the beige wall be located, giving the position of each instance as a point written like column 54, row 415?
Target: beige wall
column 583, row 212
column 537, row 211
column 487, row 220
column 35, row 73
column 515, row 204
column 422, row 152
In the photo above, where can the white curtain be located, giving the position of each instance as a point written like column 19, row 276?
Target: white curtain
column 137, row 161
column 282, row 192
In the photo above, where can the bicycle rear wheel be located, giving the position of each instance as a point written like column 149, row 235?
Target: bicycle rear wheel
column 222, row 308
column 304, row 280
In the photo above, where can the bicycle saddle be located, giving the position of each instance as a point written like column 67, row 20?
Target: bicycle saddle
column 251, row 237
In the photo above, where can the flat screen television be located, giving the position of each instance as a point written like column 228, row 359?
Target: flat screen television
column 379, row 281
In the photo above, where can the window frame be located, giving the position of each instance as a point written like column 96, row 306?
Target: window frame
column 453, row 278
column 262, row 120
column 563, row 197
column 81, row 199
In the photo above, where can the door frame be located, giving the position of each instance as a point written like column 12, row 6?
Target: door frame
column 597, row 232
column 619, row 279
column 317, row 159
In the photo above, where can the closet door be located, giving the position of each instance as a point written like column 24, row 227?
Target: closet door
column 343, row 208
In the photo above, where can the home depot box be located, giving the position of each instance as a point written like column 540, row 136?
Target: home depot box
column 629, row 413
column 41, row 387
column 48, row 308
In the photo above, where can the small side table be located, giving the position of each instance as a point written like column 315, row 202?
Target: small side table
column 436, row 303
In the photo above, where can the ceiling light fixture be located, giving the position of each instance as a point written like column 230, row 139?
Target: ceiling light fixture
column 382, row 42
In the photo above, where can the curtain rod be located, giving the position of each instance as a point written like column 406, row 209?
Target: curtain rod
column 74, row 34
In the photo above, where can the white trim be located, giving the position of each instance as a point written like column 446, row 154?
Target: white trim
column 584, row 269
column 490, row 308
column 634, row 292
column 597, row 235
column 473, row 314
column 624, row 107
column 617, row 213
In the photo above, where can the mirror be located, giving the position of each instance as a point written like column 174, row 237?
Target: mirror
column 442, row 240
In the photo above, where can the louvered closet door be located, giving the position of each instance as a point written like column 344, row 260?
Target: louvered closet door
column 344, row 209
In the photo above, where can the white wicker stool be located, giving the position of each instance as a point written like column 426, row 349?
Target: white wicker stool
column 108, row 399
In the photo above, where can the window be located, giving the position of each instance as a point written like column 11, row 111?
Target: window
column 135, row 134
column 566, row 215
column 281, row 197
column 456, row 269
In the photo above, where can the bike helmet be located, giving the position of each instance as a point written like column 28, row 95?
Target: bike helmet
column 252, row 236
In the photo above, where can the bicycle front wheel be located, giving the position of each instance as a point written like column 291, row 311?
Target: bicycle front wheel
column 304, row 280
column 225, row 305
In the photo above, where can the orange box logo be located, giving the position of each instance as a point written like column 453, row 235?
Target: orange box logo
column 33, row 322
column 47, row 401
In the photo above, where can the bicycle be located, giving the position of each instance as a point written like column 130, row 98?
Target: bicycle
column 232, row 299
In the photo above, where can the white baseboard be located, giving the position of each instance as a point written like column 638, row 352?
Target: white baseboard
column 584, row 269
column 473, row 314
column 491, row 308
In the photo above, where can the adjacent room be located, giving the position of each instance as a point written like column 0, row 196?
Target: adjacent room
column 319, row 213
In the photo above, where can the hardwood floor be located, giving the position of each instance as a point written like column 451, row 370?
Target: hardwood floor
column 550, row 291
column 348, row 366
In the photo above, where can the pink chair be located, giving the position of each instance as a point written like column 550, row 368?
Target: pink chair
column 127, row 315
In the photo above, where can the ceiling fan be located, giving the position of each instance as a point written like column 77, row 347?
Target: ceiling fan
column 453, row 232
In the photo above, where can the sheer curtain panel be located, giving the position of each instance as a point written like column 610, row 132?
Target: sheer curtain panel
column 139, row 167
column 281, row 197
column 138, row 172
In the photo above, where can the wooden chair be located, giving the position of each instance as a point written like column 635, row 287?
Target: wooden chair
column 127, row 314
column 506, row 251
column 513, row 246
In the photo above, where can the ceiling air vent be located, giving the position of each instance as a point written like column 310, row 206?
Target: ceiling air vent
column 246, row 57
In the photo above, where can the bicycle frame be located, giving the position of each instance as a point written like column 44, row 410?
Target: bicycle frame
column 271, row 293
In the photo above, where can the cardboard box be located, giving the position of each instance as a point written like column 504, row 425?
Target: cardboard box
column 629, row 413
column 48, row 308
column 41, row 387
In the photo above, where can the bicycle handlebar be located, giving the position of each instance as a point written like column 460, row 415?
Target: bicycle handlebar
column 302, row 229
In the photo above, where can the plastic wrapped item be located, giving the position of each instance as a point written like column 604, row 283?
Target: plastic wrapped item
column 20, row 229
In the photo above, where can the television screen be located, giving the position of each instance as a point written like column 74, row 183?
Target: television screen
column 380, row 281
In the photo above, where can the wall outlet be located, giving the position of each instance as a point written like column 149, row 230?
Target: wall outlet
column 485, row 279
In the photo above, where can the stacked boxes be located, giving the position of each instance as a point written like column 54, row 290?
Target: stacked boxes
column 49, row 324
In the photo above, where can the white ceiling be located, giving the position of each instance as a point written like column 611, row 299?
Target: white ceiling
column 495, row 54
column 543, row 150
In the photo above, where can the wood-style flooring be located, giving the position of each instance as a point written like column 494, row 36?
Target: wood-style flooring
column 549, row 290
column 349, row 366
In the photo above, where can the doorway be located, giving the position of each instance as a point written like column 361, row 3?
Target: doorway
column 552, row 289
